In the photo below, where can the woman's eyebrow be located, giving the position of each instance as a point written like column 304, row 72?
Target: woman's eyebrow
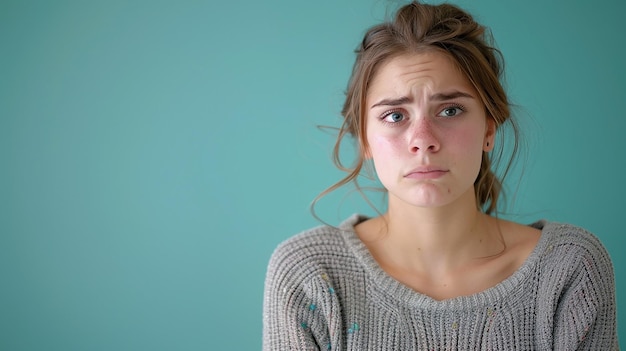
column 392, row 102
column 450, row 96
column 435, row 97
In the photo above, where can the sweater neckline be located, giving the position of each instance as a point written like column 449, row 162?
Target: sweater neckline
column 403, row 293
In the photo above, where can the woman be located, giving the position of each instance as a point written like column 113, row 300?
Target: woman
column 436, row 271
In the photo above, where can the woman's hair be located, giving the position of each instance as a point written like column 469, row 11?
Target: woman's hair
column 418, row 28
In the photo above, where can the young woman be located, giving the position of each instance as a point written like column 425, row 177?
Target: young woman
column 436, row 271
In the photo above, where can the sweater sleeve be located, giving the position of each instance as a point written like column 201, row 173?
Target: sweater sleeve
column 585, row 317
column 282, row 327
column 299, row 304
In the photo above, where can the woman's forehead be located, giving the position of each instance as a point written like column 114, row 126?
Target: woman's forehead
column 426, row 73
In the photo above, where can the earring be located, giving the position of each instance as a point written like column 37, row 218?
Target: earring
column 487, row 144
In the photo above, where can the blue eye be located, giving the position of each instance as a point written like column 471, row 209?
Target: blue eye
column 394, row 117
column 451, row 111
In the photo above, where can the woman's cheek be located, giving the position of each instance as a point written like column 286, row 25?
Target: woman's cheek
column 387, row 145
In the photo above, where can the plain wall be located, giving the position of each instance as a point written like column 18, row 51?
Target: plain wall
column 153, row 153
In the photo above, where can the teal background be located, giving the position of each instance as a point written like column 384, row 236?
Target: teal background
column 153, row 153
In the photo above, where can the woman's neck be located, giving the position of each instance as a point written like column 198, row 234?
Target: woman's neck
column 436, row 240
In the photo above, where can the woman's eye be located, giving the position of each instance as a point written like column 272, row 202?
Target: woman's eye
column 394, row 117
column 451, row 112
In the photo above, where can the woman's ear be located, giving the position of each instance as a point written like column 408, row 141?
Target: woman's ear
column 490, row 134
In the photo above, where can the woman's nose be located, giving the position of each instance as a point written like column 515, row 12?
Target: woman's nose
column 423, row 136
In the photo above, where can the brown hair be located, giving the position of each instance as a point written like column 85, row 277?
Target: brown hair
column 417, row 28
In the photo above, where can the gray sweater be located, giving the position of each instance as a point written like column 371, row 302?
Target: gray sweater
column 324, row 291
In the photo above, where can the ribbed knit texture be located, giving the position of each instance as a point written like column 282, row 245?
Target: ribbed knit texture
column 324, row 291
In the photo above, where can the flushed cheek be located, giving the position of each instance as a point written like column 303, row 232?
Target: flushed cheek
column 468, row 148
column 387, row 158
column 467, row 141
column 384, row 147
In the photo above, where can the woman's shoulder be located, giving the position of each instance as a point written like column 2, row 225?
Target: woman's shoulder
column 570, row 237
column 323, row 246
column 311, row 241
column 570, row 248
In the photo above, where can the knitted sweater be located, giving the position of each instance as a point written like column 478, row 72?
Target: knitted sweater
column 324, row 291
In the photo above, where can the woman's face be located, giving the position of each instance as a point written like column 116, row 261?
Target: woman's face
column 426, row 130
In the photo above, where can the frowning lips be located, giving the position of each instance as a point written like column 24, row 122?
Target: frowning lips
column 426, row 172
